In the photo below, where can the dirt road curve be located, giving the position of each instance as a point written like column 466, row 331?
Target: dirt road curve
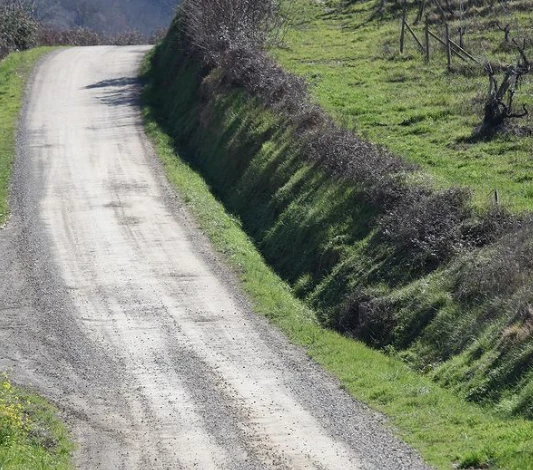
column 113, row 306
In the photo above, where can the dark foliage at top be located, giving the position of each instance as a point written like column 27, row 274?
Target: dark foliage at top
column 108, row 17
column 20, row 30
column 218, row 27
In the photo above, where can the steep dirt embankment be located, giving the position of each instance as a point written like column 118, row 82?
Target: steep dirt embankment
column 419, row 279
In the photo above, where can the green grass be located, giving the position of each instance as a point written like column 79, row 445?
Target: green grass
column 421, row 112
column 15, row 70
column 445, row 429
column 31, row 436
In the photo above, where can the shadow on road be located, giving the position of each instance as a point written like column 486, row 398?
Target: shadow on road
column 123, row 91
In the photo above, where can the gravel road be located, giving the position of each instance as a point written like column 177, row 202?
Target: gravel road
column 113, row 305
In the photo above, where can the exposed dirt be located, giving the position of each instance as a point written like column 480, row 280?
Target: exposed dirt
column 114, row 306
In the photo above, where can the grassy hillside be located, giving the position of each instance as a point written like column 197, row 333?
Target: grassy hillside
column 301, row 218
column 349, row 54
column 416, row 273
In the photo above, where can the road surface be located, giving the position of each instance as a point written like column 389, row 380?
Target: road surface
column 114, row 306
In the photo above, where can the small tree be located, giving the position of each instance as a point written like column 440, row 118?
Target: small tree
column 499, row 104
column 506, row 30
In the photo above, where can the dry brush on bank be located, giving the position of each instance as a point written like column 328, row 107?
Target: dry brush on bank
column 383, row 257
column 21, row 30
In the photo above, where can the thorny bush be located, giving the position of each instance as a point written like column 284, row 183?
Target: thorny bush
column 425, row 227
column 214, row 27
column 18, row 28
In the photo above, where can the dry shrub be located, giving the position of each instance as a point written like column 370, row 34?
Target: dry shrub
column 214, row 27
column 498, row 271
column 519, row 331
column 425, row 227
column 129, row 38
column 260, row 76
column 490, row 226
column 368, row 318
column 346, row 156
column 51, row 36
column 17, row 26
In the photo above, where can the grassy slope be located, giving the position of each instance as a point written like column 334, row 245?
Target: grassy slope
column 30, row 434
column 421, row 112
column 443, row 427
column 318, row 234
column 14, row 73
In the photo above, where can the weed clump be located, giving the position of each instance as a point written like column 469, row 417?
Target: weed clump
column 425, row 228
column 30, row 435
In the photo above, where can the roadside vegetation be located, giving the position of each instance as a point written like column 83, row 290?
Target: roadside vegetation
column 14, row 73
column 23, row 28
column 31, row 437
column 30, row 434
column 373, row 244
column 444, row 428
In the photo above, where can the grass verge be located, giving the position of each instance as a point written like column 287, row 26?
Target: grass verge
column 31, row 437
column 14, row 73
column 445, row 429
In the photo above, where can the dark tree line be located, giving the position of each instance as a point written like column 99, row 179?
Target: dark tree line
column 18, row 28
column 22, row 27
column 109, row 17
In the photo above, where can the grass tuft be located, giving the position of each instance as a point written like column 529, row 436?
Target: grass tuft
column 30, row 434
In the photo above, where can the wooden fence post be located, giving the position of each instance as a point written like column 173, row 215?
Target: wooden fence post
column 448, row 45
column 427, row 39
column 404, row 21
